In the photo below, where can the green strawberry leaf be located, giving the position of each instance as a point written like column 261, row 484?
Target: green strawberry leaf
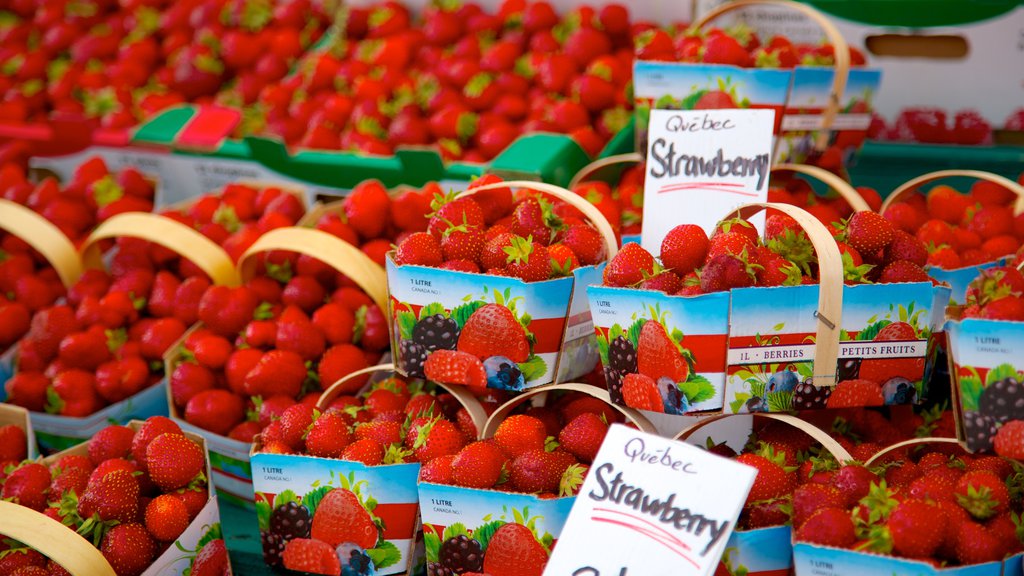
column 970, row 391
column 406, row 322
column 614, row 332
column 871, row 330
column 779, row 401
column 533, row 368
column 1001, row 372
column 737, row 404
column 432, row 544
column 456, row 529
column 432, row 309
column 312, row 499
column 484, row 533
column 697, row 388
column 263, row 514
column 286, row 497
column 602, row 347
column 633, row 334
column 384, row 555
column 212, row 534
column 462, row 313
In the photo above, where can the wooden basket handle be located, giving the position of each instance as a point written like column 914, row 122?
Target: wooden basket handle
column 911, row 442
column 827, row 442
column 461, row 393
column 830, row 289
column 841, row 52
column 842, row 187
column 589, row 169
column 588, row 209
column 170, row 234
column 327, row 248
column 911, row 186
column 44, row 237
column 54, row 540
column 499, row 415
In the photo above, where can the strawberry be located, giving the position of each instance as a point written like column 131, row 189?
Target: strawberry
column 684, row 248
column 462, row 242
column 295, row 422
column 215, row 410
column 340, row 361
column 828, row 527
column 903, row 271
column 303, row 292
column 975, row 544
column 173, row 461
column 448, row 209
column 982, row 494
column 28, row 390
column 811, row 497
column 278, row 373
column 773, row 481
column 988, row 221
column 367, row 451
column 84, row 350
column 368, row 208
column 226, row 310
column 514, row 551
column 563, row 260
column 296, row 333
column 28, row 485
column 12, row 443
column 128, row 548
column 868, row 232
column 1009, row 440
column 492, row 330
column 311, row 556
column 439, row 470
column 855, row 393
column 667, row 282
column 528, row 260
column 478, row 465
column 585, row 242
column 341, row 517
column 455, row 367
column 110, row 442
column 386, row 432
column 583, row 436
column 640, row 391
column 724, row 49
column 519, row 433
column 112, row 496
column 150, row 429
column 629, row 267
column 419, row 249
column 329, row 436
column 539, row 471
column 853, row 482
column 166, row 517
column 335, row 322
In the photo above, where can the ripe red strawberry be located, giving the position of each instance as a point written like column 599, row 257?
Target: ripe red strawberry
column 828, row 527
column 84, row 350
column 514, row 551
column 539, row 471
column 368, row 208
column 531, row 219
column 583, row 436
column 166, row 517
column 906, row 247
column 724, row 49
column 684, row 248
column 667, row 282
column 112, row 496
column 367, row 451
column 629, row 267
column 853, row 482
column 128, row 548
column 585, row 242
column 519, row 433
column 173, row 461
column 335, row 322
column 295, row 421
column 28, row 390
column 493, row 203
column 492, row 330
column 724, row 272
column 329, row 435
column 975, row 544
column 419, row 249
column 903, row 271
column 296, row 333
column 340, row 361
column 528, row 260
column 811, row 497
column 947, row 204
column 278, row 373
column 982, row 494
column 640, row 391
column 478, row 465
column 341, row 517
column 914, row 530
column 110, row 442
column 855, row 393
column 462, row 242
column 773, row 481
column 455, row 367
column 226, row 310
column 462, row 210
column 303, row 292
column 563, row 261
column 215, row 410
column 28, row 485
column 150, row 429
column 13, row 443
column 868, row 232
column 493, row 254
column 439, row 470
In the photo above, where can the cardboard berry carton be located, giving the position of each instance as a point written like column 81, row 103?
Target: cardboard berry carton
column 200, row 541
column 944, row 203
column 230, row 457
column 763, row 551
column 511, row 526
column 543, row 328
column 367, row 515
column 829, row 345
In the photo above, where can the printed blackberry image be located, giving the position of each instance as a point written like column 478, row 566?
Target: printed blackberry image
column 807, row 396
column 437, row 332
column 849, row 368
column 461, row 554
column 290, row 521
column 613, row 379
column 273, row 547
column 756, row 404
column 412, row 356
column 979, row 429
column 436, row 569
column 622, row 355
column 1002, row 400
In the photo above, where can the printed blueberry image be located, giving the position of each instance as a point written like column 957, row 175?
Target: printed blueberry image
column 782, row 381
column 503, row 374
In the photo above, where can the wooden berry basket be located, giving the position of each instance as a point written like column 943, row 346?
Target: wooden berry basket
column 231, row 458
column 557, row 308
column 392, row 486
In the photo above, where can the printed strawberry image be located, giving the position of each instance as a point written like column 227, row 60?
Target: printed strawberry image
column 515, row 551
column 342, row 517
column 896, row 375
column 493, row 330
column 497, row 548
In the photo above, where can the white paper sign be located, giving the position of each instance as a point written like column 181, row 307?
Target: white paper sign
column 651, row 506
column 701, row 164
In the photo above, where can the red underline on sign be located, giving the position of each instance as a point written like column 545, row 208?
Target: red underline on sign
column 719, row 186
column 652, row 531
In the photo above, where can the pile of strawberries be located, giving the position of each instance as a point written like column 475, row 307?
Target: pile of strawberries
column 27, row 284
column 93, row 195
column 996, row 294
column 13, row 445
column 961, row 229
column 132, row 493
column 933, row 125
column 622, row 205
column 236, row 216
column 528, row 235
column 292, row 330
column 736, row 257
column 121, row 63
column 735, row 46
column 459, row 77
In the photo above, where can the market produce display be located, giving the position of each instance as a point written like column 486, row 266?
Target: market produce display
column 420, row 375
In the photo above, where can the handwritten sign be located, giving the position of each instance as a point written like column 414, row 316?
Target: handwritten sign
column 651, row 506
column 701, row 164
